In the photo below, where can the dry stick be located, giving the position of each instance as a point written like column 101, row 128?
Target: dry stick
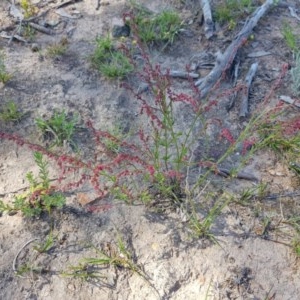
column 41, row 28
column 225, row 60
column 65, row 3
column 173, row 73
column 16, row 257
column 293, row 13
column 276, row 196
column 208, row 22
column 98, row 4
column 240, row 175
column 183, row 74
column 244, row 111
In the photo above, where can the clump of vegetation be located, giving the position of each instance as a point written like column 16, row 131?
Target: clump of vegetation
column 230, row 11
column 109, row 61
column 58, row 49
column 4, row 75
column 59, row 128
column 28, row 8
column 296, row 246
column 46, row 245
column 117, row 255
column 289, row 37
column 160, row 28
column 10, row 112
column 40, row 197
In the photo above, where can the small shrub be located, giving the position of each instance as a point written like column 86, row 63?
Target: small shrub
column 28, row 8
column 40, row 197
column 10, row 112
column 58, row 49
column 4, row 75
column 59, row 128
column 160, row 28
column 116, row 255
column 229, row 11
column 296, row 246
column 110, row 62
column 289, row 37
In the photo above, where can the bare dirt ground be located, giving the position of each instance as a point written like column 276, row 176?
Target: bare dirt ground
column 250, row 261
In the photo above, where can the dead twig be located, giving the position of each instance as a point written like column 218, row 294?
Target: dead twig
column 4, row 34
column 98, row 4
column 61, row 12
column 293, row 13
column 65, row 3
column 290, row 100
column 244, row 110
column 19, row 252
column 224, row 61
column 183, row 74
column 240, row 175
column 276, row 196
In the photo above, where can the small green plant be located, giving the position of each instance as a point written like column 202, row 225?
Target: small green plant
column 114, row 139
column 281, row 137
column 28, row 32
column 111, row 62
column 289, row 37
column 28, row 8
column 114, row 255
column 58, row 49
column 258, row 191
column 46, row 245
column 296, row 246
column 40, row 196
column 10, row 112
column 202, row 228
column 4, row 75
column 160, row 28
column 27, row 269
column 229, row 11
column 59, row 128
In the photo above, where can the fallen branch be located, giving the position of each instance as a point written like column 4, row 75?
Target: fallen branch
column 183, row 74
column 240, row 175
column 293, row 13
column 61, row 12
column 224, row 61
column 65, row 3
column 288, row 194
column 244, row 110
column 208, row 22
column 290, row 100
column 41, row 28
column 4, row 34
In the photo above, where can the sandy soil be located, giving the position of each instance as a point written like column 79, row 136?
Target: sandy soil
column 248, row 262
